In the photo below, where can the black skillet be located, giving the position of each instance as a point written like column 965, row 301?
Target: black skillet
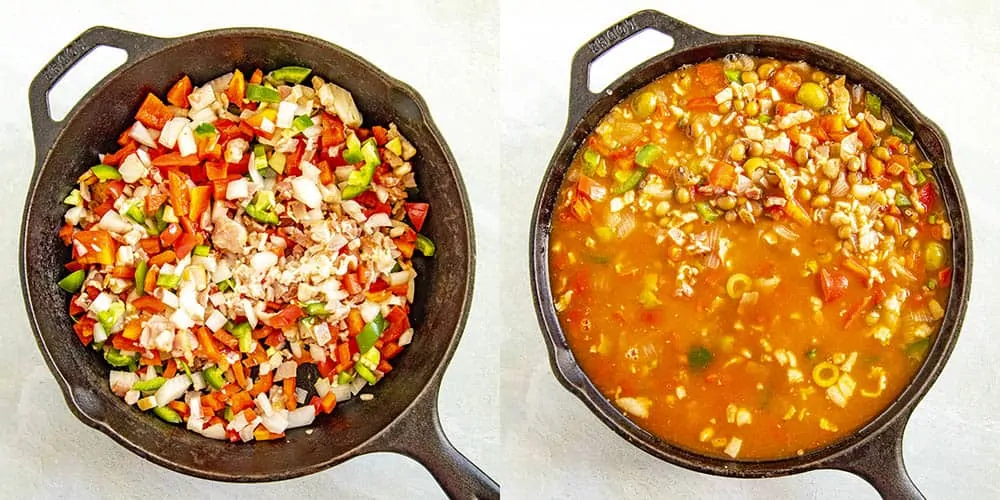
column 874, row 452
column 403, row 418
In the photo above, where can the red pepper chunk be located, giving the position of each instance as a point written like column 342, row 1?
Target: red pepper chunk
column 153, row 113
column 178, row 94
column 286, row 318
column 94, row 247
column 833, row 284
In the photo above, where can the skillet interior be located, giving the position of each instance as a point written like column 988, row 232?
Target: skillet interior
column 444, row 282
column 693, row 46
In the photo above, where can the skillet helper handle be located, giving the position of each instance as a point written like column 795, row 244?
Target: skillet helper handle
column 683, row 34
column 44, row 128
column 421, row 438
column 880, row 462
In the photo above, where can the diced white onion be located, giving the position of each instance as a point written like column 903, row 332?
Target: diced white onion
column 322, row 386
column 406, row 337
column 342, row 391
column 169, row 299
column 100, row 335
column 306, row 191
column 357, row 384
column 378, row 220
column 141, row 134
column 194, row 406
column 237, row 189
column 121, row 381
column 286, row 112
column 101, row 303
column 301, row 417
column 286, row 370
column 262, row 261
column 197, row 381
column 202, row 97
column 215, row 321
column 114, row 223
column 132, row 168
column 172, row 389
column 172, row 130
column 310, row 171
column 276, row 421
column 216, row 431
column 264, row 404
column 185, row 142
column 369, row 310
column 246, row 434
column 238, row 422
column 181, row 319
column 301, row 395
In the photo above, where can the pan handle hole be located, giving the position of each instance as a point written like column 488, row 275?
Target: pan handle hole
column 627, row 55
column 80, row 78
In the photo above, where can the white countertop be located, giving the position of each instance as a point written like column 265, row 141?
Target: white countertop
column 494, row 69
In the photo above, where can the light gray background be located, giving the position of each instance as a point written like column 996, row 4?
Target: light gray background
column 495, row 76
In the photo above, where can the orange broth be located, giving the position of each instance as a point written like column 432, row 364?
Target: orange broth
column 749, row 259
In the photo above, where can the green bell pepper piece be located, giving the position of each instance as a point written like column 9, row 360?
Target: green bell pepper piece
column 630, row 182
column 167, row 414
column 316, row 309
column 367, row 364
column 425, row 245
column 647, row 155
column 699, row 357
column 73, row 198
column 202, row 250
column 733, row 75
column 260, row 93
column 262, row 208
column 140, row 277
column 226, row 285
column 168, row 281
column 902, row 132
column 149, row 385
column 290, row 74
column 115, row 358
column 370, row 333
column 73, row 281
column 213, row 376
column 136, row 213
column 106, row 172
column 902, row 201
column 706, row 211
column 244, row 334
column 352, row 154
column 301, row 123
column 259, row 156
column 344, row 377
column 874, row 104
column 110, row 317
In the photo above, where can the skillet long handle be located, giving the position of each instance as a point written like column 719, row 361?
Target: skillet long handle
column 420, row 437
column 683, row 34
column 880, row 462
column 46, row 129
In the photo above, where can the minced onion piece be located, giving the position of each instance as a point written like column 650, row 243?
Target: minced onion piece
column 215, row 321
column 215, row 431
column 121, row 381
column 264, row 404
column 286, row 113
column 306, row 191
column 277, row 421
column 343, row 391
column 185, row 142
column 141, row 134
column 115, row 223
column 285, row 370
column 172, row 389
column 357, row 384
column 322, row 386
column 171, row 131
column 406, row 337
column 237, row 189
column 246, row 434
column 132, row 168
column 301, row 417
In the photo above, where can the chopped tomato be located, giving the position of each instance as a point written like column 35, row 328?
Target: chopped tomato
column 417, row 212
column 333, row 131
column 701, row 104
column 710, row 74
column 833, row 284
column 927, row 195
column 380, row 134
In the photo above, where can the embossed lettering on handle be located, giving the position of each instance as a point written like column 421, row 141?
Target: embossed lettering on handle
column 609, row 37
column 63, row 60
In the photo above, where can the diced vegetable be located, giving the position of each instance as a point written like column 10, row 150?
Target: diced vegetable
column 72, row 282
column 648, row 154
column 630, row 182
column 706, row 211
column 260, row 93
column 290, row 74
column 425, row 246
column 699, row 357
column 874, row 104
column 106, row 172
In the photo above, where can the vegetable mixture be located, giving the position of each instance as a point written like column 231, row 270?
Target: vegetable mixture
column 249, row 245
column 749, row 257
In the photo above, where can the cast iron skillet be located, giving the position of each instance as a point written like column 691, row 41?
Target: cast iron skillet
column 874, row 452
column 403, row 418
